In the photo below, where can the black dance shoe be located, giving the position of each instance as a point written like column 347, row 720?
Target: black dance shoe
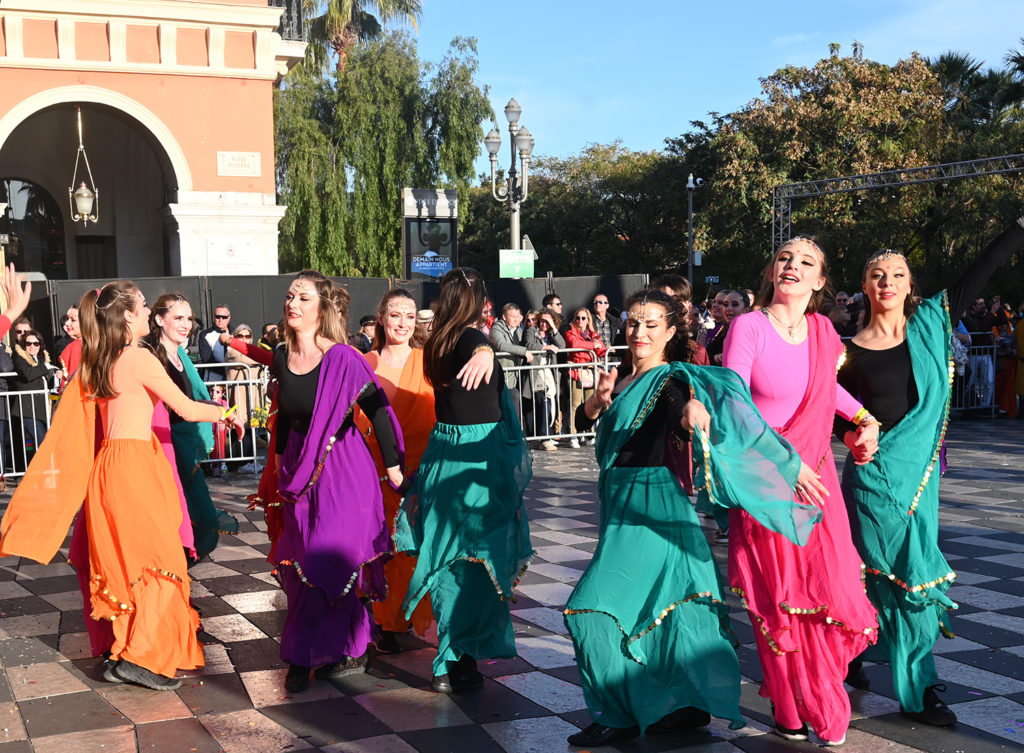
column 935, row 713
column 137, row 675
column 388, row 643
column 856, row 677
column 687, row 717
column 597, row 734
column 297, row 679
column 350, row 665
column 462, row 675
column 791, row 734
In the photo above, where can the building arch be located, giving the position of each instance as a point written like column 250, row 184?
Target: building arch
column 182, row 174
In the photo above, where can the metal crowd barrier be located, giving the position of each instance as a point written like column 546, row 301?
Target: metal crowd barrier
column 974, row 389
column 561, row 393
column 253, row 387
column 22, row 426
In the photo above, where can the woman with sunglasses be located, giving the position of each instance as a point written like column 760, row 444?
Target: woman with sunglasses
column 34, row 374
column 646, row 618
column 900, row 366
column 806, row 603
column 245, row 396
column 582, row 337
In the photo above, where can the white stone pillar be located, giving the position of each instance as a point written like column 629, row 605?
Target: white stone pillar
column 225, row 233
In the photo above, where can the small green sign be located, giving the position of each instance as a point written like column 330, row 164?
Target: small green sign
column 515, row 263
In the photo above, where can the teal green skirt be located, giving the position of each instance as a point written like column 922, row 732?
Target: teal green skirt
column 467, row 504
column 647, row 618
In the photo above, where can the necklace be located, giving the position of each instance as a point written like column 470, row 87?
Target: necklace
column 789, row 327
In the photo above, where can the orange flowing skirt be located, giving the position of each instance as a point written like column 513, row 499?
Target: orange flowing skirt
column 138, row 576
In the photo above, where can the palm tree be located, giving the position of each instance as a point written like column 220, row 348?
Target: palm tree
column 337, row 25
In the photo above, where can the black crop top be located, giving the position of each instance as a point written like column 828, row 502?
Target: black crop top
column 454, row 404
column 647, row 445
column 883, row 380
column 296, row 398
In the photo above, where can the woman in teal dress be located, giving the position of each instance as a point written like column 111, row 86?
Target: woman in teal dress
column 647, row 619
column 464, row 518
column 899, row 366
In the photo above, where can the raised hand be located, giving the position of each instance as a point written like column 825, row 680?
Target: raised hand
column 18, row 291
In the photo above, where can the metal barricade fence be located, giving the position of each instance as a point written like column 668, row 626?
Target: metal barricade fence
column 974, row 381
column 23, row 425
column 549, row 391
column 245, row 385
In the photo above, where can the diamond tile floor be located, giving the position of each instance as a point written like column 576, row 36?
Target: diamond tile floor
column 53, row 698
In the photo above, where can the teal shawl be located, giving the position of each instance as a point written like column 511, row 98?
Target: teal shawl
column 894, row 500
column 741, row 463
column 193, row 441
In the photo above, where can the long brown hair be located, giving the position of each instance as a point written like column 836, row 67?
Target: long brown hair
column 590, row 320
column 764, row 297
column 105, row 333
column 329, row 324
column 459, row 305
column 342, row 299
column 160, row 308
column 419, row 333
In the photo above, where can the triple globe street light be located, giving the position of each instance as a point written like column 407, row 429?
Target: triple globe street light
column 516, row 183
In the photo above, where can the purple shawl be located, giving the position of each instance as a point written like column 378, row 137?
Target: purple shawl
column 334, row 531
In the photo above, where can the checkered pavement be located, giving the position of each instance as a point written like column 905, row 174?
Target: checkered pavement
column 53, row 697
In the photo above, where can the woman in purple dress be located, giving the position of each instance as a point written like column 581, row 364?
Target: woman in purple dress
column 334, row 540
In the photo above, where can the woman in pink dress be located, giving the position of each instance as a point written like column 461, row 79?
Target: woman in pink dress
column 807, row 604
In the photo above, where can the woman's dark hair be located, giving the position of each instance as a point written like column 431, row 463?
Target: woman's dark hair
column 42, row 351
column 105, row 332
column 913, row 299
column 764, row 297
column 152, row 340
column 419, row 333
column 678, row 348
column 678, row 284
column 459, row 305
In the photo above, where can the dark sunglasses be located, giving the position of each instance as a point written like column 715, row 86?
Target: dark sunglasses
column 600, row 303
column 222, row 316
column 32, row 343
column 582, row 318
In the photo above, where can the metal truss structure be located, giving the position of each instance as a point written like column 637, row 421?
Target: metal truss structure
column 782, row 196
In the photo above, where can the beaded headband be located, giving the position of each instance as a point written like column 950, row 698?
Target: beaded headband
column 885, row 255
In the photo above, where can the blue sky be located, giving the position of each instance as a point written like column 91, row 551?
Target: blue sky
column 597, row 71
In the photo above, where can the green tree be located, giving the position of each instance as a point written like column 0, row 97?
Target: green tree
column 348, row 144
column 336, row 26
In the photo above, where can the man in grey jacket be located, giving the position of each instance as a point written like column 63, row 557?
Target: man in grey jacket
column 507, row 337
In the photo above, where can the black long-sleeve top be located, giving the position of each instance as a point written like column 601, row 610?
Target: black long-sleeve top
column 296, row 398
column 454, row 404
column 646, row 448
column 883, row 380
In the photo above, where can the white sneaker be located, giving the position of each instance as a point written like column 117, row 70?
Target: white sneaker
column 249, row 468
column 591, row 442
column 574, row 443
column 550, row 445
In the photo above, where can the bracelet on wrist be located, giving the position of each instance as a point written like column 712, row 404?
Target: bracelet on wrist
column 860, row 415
column 486, row 348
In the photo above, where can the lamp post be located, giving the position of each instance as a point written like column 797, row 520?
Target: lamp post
column 516, row 185
column 691, row 185
column 83, row 199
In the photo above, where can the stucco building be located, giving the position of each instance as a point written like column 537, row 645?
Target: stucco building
column 176, row 99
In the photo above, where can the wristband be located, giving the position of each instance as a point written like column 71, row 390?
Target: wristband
column 227, row 412
column 479, row 348
column 860, row 415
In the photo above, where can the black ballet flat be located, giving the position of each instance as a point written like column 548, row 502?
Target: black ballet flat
column 687, row 717
column 856, row 677
column 598, row 734
column 297, row 679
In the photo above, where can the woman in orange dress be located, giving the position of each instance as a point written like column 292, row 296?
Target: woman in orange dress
column 396, row 357
column 138, row 576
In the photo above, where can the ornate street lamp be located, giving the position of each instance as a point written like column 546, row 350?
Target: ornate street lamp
column 691, row 185
column 84, row 201
column 515, row 188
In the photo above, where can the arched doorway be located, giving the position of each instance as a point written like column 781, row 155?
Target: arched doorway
column 136, row 182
